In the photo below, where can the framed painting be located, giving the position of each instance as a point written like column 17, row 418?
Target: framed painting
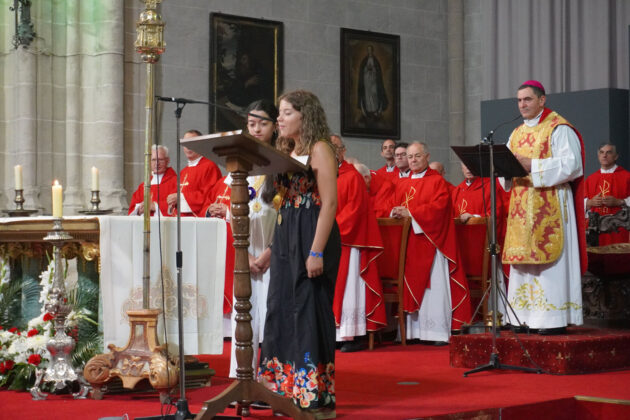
column 370, row 84
column 245, row 65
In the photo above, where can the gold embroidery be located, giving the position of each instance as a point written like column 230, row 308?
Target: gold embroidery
column 408, row 197
column 532, row 297
column 463, row 206
column 604, row 189
column 184, row 183
column 535, row 231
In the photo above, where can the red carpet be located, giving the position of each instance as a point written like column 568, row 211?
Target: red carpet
column 390, row 382
column 581, row 350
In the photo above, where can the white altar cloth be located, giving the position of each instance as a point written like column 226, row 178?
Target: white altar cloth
column 203, row 270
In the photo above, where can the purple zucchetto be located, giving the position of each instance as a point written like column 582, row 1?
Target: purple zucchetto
column 534, row 83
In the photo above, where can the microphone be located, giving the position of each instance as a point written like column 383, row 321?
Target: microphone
column 488, row 138
column 179, row 100
column 193, row 101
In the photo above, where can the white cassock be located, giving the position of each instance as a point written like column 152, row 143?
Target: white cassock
column 352, row 323
column 262, row 222
column 550, row 295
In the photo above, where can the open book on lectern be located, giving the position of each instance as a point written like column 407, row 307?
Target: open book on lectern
column 477, row 159
column 265, row 158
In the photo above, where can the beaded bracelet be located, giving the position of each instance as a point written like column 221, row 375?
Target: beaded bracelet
column 316, row 254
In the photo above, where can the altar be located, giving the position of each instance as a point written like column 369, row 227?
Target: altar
column 113, row 245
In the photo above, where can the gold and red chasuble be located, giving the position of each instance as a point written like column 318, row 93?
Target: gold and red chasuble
column 535, row 220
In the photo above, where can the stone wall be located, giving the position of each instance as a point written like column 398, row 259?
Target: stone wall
column 311, row 61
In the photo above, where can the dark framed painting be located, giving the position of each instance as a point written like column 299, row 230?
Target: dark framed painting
column 370, row 84
column 245, row 65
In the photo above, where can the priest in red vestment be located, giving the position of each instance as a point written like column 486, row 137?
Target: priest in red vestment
column 387, row 152
column 607, row 190
column 163, row 183
column 471, row 198
column 358, row 302
column 436, row 296
column 196, row 179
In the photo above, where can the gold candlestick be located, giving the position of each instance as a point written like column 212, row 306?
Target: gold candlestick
column 95, row 201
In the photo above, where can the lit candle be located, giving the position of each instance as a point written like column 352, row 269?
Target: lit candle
column 94, row 178
column 57, row 199
column 18, row 177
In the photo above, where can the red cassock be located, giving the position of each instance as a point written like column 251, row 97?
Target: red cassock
column 167, row 186
column 381, row 192
column 196, row 182
column 358, row 229
column 220, row 193
column 616, row 184
column 429, row 202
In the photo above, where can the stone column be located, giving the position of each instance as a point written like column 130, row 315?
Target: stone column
column 456, row 87
column 25, row 123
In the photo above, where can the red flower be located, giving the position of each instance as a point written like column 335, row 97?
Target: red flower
column 1, row 327
column 13, row 330
column 47, row 316
column 35, row 359
column 33, row 332
column 9, row 364
column 2, row 368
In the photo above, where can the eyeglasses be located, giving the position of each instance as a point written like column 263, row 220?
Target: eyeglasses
column 399, row 155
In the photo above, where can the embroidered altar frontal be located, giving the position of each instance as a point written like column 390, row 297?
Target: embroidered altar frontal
column 581, row 350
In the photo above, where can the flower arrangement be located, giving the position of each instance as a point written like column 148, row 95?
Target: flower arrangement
column 23, row 350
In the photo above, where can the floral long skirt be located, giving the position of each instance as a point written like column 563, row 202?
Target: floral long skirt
column 298, row 349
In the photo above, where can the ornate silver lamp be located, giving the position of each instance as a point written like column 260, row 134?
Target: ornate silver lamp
column 60, row 370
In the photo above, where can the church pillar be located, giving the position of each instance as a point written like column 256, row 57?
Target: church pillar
column 25, row 123
column 456, row 92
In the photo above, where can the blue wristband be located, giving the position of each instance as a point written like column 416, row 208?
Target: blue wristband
column 316, row 254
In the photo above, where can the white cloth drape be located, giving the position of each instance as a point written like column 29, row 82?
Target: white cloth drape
column 203, row 270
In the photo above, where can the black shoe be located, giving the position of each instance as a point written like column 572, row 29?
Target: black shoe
column 552, row 331
column 440, row 343
column 352, row 346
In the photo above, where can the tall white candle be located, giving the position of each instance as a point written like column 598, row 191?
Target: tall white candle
column 18, row 177
column 57, row 199
column 94, row 178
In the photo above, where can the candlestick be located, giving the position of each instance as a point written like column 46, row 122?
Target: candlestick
column 18, row 176
column 94, row 178
column 57, row 199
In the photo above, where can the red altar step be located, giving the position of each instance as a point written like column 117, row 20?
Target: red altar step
column 577, row 408
column 581, row 350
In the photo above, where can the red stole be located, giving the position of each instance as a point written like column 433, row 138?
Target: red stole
column 167, row 186
column 196, row 181
column 429, row 202
column 358, row 229
column 616, row 184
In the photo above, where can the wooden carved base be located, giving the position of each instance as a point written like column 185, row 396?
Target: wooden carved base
column 142, row 358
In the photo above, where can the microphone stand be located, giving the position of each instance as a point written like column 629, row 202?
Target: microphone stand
column 182, row 412
column 494, row 362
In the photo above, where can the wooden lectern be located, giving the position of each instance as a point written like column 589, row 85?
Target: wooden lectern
column 244, row 155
